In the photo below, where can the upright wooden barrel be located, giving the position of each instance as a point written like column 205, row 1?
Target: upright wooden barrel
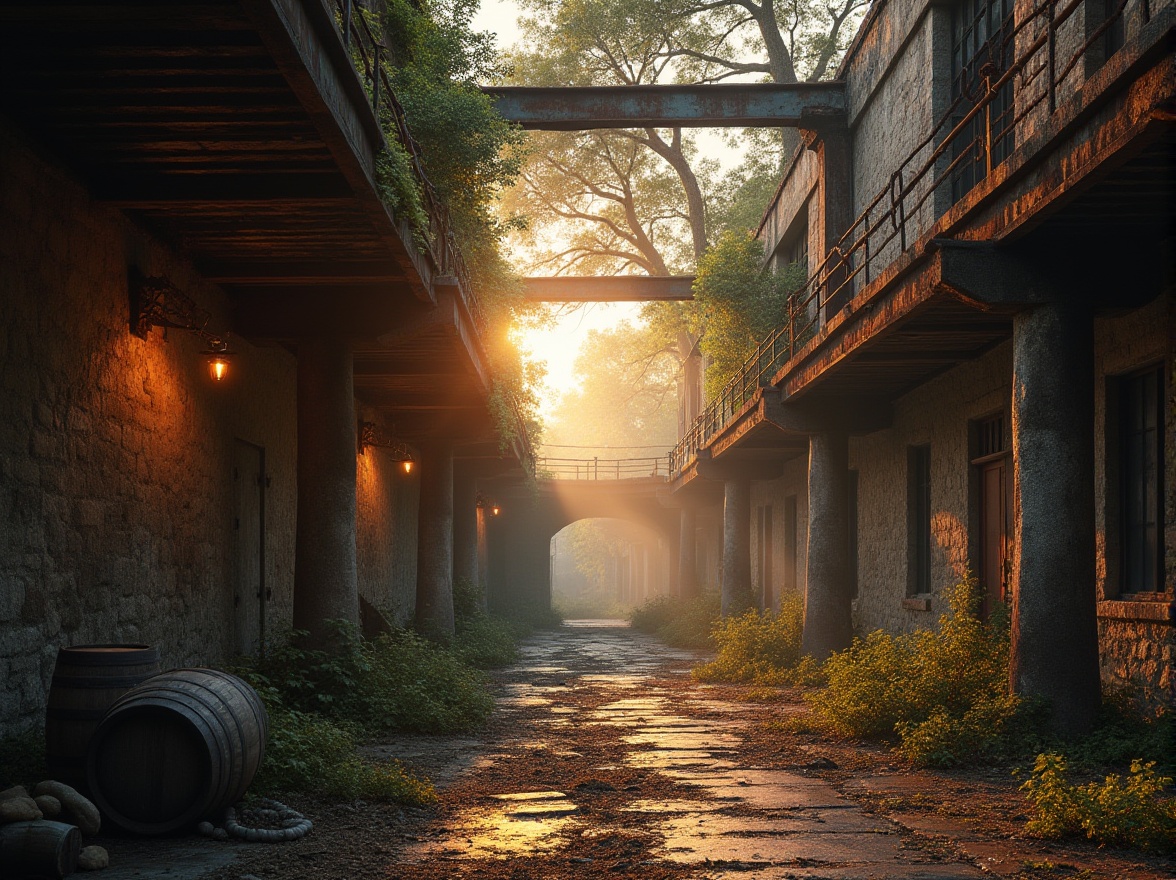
column 87, row 679
column 39, row 849
column 178, row 748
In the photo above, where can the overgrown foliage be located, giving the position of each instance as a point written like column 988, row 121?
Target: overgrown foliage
column 470, row 155
column 941, row 692
column 739, row 301
column 484, row 641
column 759, row 647
column 397, row 682
column 322, row 703
column 681, row 623
column 1116, row 811
column 309, row 753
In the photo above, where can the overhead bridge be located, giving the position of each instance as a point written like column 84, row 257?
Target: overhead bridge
column 610, row 288
column 741, row 105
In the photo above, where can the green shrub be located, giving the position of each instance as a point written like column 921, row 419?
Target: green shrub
column 1115, row 812
column 942, row 692
column 22, row 759
column 482, row 641
column 307, row 753
column 655, row 613
column 757, row 647
column 694, row 626
column 417, row 686
column 1128, row 728
column 486, row 642
column 680, row 623
column 398, row 681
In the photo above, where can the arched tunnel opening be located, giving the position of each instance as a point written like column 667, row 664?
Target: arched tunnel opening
column 602, row 567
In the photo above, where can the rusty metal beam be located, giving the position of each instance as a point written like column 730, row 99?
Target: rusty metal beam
column 610, row 288
column 801, row 105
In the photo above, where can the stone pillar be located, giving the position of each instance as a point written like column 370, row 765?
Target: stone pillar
column 326, row 585
column 465, row 530
column 736, row 579
column 688, row 554
column 1054, row 626
column 434, row 598
column 828, row 612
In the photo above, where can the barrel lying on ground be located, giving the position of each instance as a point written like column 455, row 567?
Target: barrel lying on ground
column 87, row 679
column 178, row 748
column 39, row 849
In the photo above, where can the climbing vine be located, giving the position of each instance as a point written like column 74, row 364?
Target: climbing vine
column 434, row 62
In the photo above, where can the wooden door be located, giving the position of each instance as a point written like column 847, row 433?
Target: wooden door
column 249, row 590
column 994, row 532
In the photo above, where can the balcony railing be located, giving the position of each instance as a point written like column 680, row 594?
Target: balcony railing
column 602, row 468
column 370, row 55
column 1028, row 50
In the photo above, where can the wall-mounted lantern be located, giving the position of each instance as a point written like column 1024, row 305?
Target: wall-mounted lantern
column 492, row 507
column 156, row 302
column 370, row 434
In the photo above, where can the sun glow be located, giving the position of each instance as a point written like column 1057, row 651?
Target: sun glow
column 556, row 344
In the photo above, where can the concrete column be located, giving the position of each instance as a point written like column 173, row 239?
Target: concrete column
column 465, row 529
column 1054, row 626
column 736, row 580
column 434, row 598
column 688, row 554
column 325, row 579
column 828, row 618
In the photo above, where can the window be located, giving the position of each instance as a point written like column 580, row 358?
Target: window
column 981, row 50
column 853, row 533
column 919, row 519
column 1141, row 472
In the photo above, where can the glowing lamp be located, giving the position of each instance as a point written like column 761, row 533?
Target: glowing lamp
column 495, row 510
column 218, row 366
column 407, row 465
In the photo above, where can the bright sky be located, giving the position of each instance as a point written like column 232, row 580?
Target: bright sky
column 557, row 345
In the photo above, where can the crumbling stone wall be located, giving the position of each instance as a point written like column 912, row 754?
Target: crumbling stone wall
column 116, row 452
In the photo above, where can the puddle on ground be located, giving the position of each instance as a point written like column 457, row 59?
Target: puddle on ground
column 515, row 830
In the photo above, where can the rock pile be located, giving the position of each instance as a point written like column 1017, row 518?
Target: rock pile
column 41, row 832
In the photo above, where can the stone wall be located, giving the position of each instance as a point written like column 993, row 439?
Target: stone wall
column 116, row 453
column 387, row 501
column 937, row 414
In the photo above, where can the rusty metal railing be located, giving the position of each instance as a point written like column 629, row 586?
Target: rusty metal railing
column 1025, row 58
column 602, row 468
column 369, row 55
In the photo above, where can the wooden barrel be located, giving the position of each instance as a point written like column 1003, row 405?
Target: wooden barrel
column 87, row 679
column 39, row 849
column 178, row 748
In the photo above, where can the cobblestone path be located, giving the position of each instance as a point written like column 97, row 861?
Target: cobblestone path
column 614, row 762
column 604, row 759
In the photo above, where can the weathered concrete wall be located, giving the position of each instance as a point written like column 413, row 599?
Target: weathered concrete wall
column 794, row 481
column 386, row 532
column 116, row 453
column 937, row 414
